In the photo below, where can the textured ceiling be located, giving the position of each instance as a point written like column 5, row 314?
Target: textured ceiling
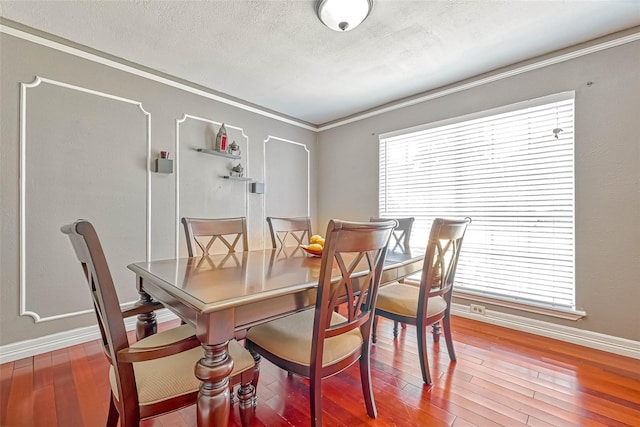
column 277, row 54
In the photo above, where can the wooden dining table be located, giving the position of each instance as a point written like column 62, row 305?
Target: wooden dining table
column 224, row 295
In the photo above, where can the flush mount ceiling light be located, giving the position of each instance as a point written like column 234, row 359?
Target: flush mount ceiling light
column 343, row 15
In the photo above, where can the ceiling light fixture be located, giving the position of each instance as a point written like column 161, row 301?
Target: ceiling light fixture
column 343, row 15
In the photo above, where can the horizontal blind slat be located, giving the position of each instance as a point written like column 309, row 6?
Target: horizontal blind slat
column 515, row 179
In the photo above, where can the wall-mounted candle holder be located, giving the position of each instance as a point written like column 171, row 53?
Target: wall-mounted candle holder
column 164, row 164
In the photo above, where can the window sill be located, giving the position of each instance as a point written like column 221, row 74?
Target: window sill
column 547, row 311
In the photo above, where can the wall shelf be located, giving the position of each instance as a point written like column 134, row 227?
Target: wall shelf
column 236, row 178
column 218, row 153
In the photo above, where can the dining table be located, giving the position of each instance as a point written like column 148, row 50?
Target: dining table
column 224, row 295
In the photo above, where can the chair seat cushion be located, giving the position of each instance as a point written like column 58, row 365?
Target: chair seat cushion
column 290, row 339
column 171, row 376
column 401, row 299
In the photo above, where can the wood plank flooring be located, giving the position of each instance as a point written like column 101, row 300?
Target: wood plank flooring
column 502, row 378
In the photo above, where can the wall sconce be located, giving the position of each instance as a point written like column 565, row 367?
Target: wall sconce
column 164, row 164
column 343, row 15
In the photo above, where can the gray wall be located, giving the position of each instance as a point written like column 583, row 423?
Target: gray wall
column 607, row 171
column 91, row 137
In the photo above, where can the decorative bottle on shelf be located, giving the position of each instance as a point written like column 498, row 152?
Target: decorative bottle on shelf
column 221, row 139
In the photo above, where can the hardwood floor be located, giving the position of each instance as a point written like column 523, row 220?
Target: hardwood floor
column 502, row 378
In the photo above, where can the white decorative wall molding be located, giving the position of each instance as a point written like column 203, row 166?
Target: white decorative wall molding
column 177, row 168
column 32, row 347
column 608, row 343
column 24, row 87
column 276, row 138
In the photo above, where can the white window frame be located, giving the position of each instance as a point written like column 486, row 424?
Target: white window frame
column 405, row 140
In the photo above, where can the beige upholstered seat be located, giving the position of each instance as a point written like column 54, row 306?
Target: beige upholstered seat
column 320, row 343
column 161, row 379
column 289, row 339
column 401, row 299
column 289, row 231
column 430, row 302
column 156, row 374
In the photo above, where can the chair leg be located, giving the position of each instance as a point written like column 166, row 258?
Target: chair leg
column 256, row 368
column 421, row 332
column 112, row 418
column 375, row 327
column 315, row 399
column 232, row 397
column 446, row 325
column 365, row 378
column 395, row 329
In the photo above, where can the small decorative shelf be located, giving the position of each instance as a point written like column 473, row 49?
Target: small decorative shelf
column 218, row 153
column 236, row 178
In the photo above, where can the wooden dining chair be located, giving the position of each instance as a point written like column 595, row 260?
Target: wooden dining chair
column 320, row 343
column 431, row 301
column 202, row 233
column 400, row 241
column 154, row 375
column 289, row 230
column 401, row 234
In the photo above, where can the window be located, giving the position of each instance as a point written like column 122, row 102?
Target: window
column 512, row 171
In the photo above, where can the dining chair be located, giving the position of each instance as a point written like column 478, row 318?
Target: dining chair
column 401, row 238
column 202, row 233
column 430, row 302
column 401, row 234
column 154, row 375
column 296, row 230
column 319, row 343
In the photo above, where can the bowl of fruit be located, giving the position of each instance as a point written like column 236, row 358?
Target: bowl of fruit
column 315, row 246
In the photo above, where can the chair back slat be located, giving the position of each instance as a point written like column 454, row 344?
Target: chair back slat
column 202, row 233
column 357, row 251
column 89, row 252
column 289, row 230
column 401, row 234
column 441, row 259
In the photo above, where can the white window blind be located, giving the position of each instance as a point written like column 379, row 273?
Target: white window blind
column 506, row 170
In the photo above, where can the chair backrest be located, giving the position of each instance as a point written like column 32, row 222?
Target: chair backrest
column 298, row 229
column 441, row 260
column 203, row 232
column 402, row 232
column 349, row 246
column 88, row 249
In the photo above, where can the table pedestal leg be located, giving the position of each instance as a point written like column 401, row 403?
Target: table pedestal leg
column 213, row 370
column 146, row 324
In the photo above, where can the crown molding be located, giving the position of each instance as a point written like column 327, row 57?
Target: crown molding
column 24, row 35
column 535, row 64
column 493, row 77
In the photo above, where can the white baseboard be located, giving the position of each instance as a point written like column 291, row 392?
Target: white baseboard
column 611, row 344
column 608, row 343
column 32, row 347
